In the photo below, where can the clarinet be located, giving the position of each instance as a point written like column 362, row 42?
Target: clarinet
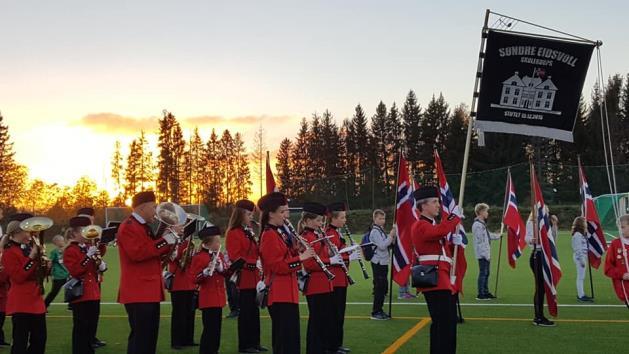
column 351, row 243
column 307, row 246
column 335, row 251
column 214, row 261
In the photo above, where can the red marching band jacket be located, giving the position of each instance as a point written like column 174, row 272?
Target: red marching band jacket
column 4, row 288
column 340, row 279
column 82, row 267
column 616, row 267
column 432, row 248
column 25, row 294
column 181, row 280
column 140, row 263
column 318, row 282
column 212, row 288
column 243, row 249
column 280, row 264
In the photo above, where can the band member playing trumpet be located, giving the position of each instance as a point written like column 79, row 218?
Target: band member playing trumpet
column 281, row 261
column 141, row 283
column 182, row 299
column 242, row 248
column 21, row 260
column 83, row 262
column 209, row 270
column 90, row 213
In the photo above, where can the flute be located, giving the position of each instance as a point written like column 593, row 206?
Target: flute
column 307, row 246
column 351, row 243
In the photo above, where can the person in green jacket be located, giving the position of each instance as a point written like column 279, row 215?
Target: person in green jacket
column 59, row 272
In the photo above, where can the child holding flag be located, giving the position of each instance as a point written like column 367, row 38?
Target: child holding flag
column 616, row 265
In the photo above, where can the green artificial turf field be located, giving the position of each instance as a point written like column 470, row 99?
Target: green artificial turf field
column 499, row 326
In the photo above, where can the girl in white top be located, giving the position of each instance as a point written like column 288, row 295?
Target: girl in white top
column 580, row 254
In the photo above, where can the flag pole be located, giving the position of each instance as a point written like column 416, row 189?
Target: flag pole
column 397, row 178
column 502, row 227
column 583, row 214
column 536, row 259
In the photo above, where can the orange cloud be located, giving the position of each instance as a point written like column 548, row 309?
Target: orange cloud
column 116, row 123
column 242, row 120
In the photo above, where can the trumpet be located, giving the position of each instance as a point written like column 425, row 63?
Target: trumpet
column 335, row 251
column 307, row 246
column 92, row 233
column 352, row 243
column 36, row 225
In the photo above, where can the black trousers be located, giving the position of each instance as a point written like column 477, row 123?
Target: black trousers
column 29, row 333
column 285, row 328
column 232, row 295
column 340, row 298
column 535, row 262
column 442, row 309
column 3, row 316
column 380, row 286
column 320, row 333
column 248, row 320
column 211, row 336
column 182, row 318
column 84, row 319
column 144, row 323
column 57, row 284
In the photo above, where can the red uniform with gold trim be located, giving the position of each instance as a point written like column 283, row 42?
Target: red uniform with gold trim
column 280, row 264
column 616, row 267
column 181, row 280
column 4, row 289
column 318, row 282
column 430, row 243
column 25, row 294
column 340, row 279
column 82, row 267
column 242, row 245
column 212, row 288
column 140, row 263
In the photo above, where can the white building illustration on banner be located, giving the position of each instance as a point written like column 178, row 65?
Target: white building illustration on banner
column 528, row 93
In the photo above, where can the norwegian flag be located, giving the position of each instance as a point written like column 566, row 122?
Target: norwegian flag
column 597, row 245
column 270, row 180
column 516, row 230
column 449, row 206
column 550, row 262
column 404, row 219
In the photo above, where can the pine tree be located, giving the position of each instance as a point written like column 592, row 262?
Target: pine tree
column 12, row 175
column 117, row 175
column 456, row 133
column 359, row 150
column 411, row 121
column 212, row 179
column 313, row 183
column 166, row 163
column 284, row 168
column 146, row 166
column 132, row 172
column 380, row 145
column 178, row 172
column 330, row 144
column 258, row 156
column 243, row 175
column 228, row 168
column 432, row 135
column 394, row 144
column 300, row 160
column 623, row 143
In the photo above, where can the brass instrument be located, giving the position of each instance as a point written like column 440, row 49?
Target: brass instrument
column 92, row 233
column 307, row 246
column 352, row 243
column 333, row 252
column 35, row 226
column 186, row 258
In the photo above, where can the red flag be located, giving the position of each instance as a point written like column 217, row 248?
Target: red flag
column 597, row 244
column 449, row 206
column 551, row 270
column 404, row 219
column 270, row 180
column 516, row 230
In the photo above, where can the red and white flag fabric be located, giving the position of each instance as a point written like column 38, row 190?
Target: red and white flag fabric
column 516, row 231
column 404, row 219
column 270, row 180
column 449, row 206
column 597, row 244
column 550, row 261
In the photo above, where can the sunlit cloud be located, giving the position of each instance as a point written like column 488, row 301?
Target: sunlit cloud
column 250, row 120
column 117, row 124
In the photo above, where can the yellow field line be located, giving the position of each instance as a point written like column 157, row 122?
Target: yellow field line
column 406, row 336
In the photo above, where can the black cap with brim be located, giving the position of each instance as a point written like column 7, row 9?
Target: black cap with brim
column 245, row 204
column 272, row 201
column 143, row 197
column 20, row 217
column 80, row 221
column 314, row 208
column 338, row 206
column 85, row 211
column 426, row 192
column 209, row 231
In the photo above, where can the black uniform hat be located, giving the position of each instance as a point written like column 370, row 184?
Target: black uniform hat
column 85, row 211
column 209, row 231
column 272, row 201
column 20, row 217
column 426, row 192
column 338, row 206
column 245, row 204
column 315, row 208
column 143, row 197
column 80, row 221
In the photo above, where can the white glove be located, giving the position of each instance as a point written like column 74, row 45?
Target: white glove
column 457, row 239
column 336, row 259
column 206, row 271
column 102, row 267
column 260, row 286
column 354, row 256
column 173, row 255
column 170, row 238
column 219, row 267
column 259, row 264
column 91, row 251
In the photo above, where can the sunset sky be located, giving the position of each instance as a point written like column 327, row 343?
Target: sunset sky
column 77, row 75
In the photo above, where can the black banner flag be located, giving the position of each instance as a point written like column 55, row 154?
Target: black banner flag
column 531, row 85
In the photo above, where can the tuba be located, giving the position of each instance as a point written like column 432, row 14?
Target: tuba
column 169, row 216
column 189, row 251
column 36, row 225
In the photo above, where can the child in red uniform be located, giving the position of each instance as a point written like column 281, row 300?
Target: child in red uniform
column 182, row 300
column 209, row 273
column 4, row 289
column 617, row 261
